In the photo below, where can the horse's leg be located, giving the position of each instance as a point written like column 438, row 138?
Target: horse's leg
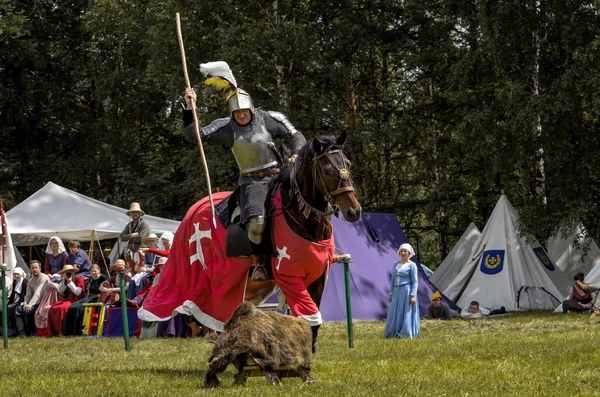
column 315, row 290
column 300, row 301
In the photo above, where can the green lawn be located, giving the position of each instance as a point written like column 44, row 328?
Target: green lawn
column 520, row 354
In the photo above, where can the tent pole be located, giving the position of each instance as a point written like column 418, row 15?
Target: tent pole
column 103, row 258
column 91, row 252
column 30, row 253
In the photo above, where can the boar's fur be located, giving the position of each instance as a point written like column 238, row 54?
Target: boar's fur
column 270, row 338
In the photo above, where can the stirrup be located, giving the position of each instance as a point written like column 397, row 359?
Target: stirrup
column 256, row 267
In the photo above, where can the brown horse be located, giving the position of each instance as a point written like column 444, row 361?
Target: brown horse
column 318, row 185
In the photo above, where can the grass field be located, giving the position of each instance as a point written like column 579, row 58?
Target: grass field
column 520, row 354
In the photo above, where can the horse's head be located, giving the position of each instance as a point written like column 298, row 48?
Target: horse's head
column 332, row 177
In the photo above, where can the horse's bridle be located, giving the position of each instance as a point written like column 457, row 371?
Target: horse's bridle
column 319, row 174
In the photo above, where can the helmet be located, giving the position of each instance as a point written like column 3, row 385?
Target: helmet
column 240, row 100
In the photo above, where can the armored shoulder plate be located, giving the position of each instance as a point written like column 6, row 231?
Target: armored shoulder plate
column 283, row 120
column 214, row 126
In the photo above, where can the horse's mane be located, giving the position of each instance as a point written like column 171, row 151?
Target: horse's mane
column 307, row 153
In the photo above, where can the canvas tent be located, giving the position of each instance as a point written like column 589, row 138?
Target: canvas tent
column 505, row 270
column 54, row 210
column 454, row 262
column 373, row 242
column 575, row 253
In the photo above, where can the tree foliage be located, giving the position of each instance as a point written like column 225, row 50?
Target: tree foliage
column 448, row 104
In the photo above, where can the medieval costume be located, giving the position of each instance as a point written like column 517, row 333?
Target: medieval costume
column 36, row 287
column 55, row 259
column 252, row 145
column 16, row 297
column 68, row 294
column 133, row 256
column 82, row 261
column 74, row 317
column 578, row 300
column 403, row 320
column 441, row 312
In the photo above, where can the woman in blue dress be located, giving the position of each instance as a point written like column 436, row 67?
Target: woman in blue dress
column 403, row 319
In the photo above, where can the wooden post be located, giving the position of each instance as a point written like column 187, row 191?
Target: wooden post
column 91, row 251
column 124, row 311
column 347, row 261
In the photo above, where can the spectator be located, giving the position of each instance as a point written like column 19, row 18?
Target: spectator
column 150, row 257
column 70, row 290
column 590, row 288
column 135, row 233
column 579, row 300
column 474, row 312
column 56, row 256
column 35, row 288
column 74, row 317
column 403, row 312
column 79, row 259
column 438, row 310
column 110, row 290
column 18, row 289
column 164, row 244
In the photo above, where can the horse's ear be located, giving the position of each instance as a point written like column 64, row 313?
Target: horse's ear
column 341, row 139
column 317, row 147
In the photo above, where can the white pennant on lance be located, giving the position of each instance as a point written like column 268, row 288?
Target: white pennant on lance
column 197, row 237
column 281, row 253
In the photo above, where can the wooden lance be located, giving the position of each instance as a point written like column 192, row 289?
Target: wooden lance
column 187, row 82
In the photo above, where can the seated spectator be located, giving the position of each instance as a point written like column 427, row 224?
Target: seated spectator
column 110, row 290
column 79, row 259
column 18, row 289
column 151, row 257
column 590, row 288
column 438, row 310
column 70, row 290
column 579, row 300
column 56, row 256
column 74, row 317
column 49, row 298
column 35, row 288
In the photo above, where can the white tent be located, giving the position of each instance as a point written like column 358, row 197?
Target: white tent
column 574, row 253
column 507, row 271
column 54, row 210
column 457, row 258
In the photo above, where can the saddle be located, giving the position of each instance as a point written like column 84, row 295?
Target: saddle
column 228, row 212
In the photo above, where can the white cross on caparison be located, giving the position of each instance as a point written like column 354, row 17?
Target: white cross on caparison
column 197, row 237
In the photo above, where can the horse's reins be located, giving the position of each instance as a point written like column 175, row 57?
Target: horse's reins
column 303, row 205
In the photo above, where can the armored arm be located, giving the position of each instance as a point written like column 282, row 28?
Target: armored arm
column 216, row 133
column 279, row 126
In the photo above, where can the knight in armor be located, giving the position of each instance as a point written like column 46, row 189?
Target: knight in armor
column 250, row 134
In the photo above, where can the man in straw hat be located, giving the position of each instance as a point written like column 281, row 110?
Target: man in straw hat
column 250, row 134
column 134, row 234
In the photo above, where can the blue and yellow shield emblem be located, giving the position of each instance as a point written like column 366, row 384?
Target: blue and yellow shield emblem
column 543, row 257
column 492, row 261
